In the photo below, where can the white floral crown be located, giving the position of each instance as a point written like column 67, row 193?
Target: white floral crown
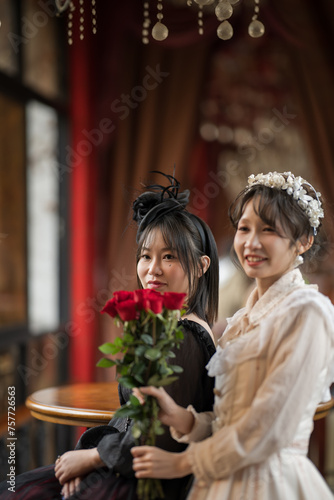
column 294, row 187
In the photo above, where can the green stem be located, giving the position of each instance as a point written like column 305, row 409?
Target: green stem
column 154, row 337
column 149, row 489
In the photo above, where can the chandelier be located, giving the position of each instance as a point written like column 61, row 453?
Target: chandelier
column 223, row 10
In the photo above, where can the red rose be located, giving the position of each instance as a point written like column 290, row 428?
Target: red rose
column 110, row 307
column 173, row 300
column 149, row 300
column 122, row 295
column 155, row 304
column 138, row 295
column 127, row 310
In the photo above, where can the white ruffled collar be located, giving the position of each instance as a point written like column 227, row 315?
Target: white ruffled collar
column 233, row 346
column 256, row 307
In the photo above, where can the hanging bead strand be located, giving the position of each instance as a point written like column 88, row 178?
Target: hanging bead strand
column 82, row 19
column 70, row 23
column 256, row 28
column 94, row 22
column 200, row 20
column 146, row 23
column 224, row 11
column 159, row 31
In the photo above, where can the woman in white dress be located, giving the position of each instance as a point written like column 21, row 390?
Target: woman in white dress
column 274, row 363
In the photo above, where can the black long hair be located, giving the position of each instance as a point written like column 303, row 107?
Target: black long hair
column 189, row 236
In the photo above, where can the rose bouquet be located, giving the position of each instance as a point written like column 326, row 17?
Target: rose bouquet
column 150, row 333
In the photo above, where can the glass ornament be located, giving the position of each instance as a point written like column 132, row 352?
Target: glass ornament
column 223, row 10
column 225, row 30
column 256, row 29
column 159, row 32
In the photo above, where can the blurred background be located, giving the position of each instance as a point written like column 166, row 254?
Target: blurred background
column 90, row 104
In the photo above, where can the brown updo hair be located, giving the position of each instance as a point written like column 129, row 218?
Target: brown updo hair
column 280, row 211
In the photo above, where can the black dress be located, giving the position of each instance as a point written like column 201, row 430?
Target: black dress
column 116, row 481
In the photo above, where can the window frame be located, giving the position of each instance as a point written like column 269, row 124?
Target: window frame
column 13, row 87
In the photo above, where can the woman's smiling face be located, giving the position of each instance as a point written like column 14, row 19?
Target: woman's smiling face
column 263, row 253
column 159, row 268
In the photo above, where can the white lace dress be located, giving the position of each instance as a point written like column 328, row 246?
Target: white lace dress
column 273, row 366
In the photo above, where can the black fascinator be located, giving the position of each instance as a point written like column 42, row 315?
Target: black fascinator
column 156, row 203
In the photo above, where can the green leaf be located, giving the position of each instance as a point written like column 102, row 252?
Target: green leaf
column 128, row 382
column 152, row 354
column 123, row 370
column 139, row 351
column 179, row 335
column 109, row 348
column 139, row 379
column 105, row 363
column 128, row 410
column 176, row 368
column 167, row 381
column 119, row 342
column 128, row 338
column 135, row 413
column 136, row 432
column 164, row 369
column 142, row 424
column 128, row 359
column 138, row 368
column 122, row 412
column 147, row 339
column 160, row 431
column 156, row 381
column 157, row 427
column 134, row 401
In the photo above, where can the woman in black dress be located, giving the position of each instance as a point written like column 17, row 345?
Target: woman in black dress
column 176, row 253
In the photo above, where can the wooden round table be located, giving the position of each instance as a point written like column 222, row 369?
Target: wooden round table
column 86, row 405
column 323, row 409
column 93, row 404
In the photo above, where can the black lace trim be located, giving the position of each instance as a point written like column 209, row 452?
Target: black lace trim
column 203, row 335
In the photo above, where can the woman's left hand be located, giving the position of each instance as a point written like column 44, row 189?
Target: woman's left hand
column 76, row 463
column 153, row 462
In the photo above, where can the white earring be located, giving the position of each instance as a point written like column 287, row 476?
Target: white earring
column 298, row 261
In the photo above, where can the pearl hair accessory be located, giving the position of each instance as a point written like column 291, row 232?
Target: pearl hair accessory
column 294, row 187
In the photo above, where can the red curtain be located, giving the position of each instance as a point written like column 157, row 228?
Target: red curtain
column 81, row 167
